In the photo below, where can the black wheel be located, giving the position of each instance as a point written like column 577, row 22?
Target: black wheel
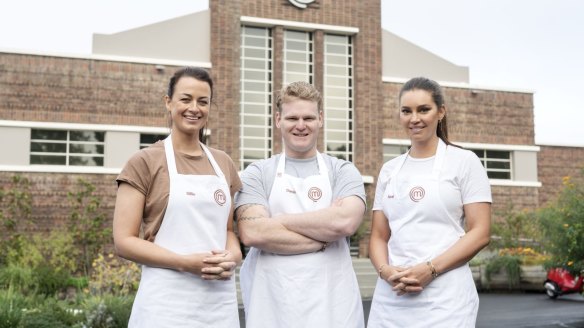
column 551, row 293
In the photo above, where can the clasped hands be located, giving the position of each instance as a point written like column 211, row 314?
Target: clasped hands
column 217, row 265
column 407, row 280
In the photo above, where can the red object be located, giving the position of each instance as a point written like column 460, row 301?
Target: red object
column 559, row 281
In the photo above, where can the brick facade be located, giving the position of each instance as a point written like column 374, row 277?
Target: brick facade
column 75, row 90
column 553, row 164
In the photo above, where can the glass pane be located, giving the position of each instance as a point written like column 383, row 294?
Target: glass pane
column 479, row 152
column 297, row 56
column 338, row 136
column 85, row 149
column 254, row 31
column 255, row 86
column 337, row 81
column 498, row 154
column 255, row 63
column 255, row 97
column 48, row 134
column 254, row 154
column 337, row 102
column 498, row 165
column 332, row 146
column 48, row 160
column 255, row 75
column 334, row 113
column 337, row 70
column 255, row 120
column 337, row 92
column 296, row 35
column 296, row 67
column 255, row 53
column 336, row 125
column 85, row 161
column 340, row 156
column 499, row 175
column 255, row 143
column 329, row 38
column 255, row 42
column 151, row 138
column 292, row 77
column 254, row 132
column 254, row 109
column 86, row 136
column 296, row 45
column 336, row 60
column 337, row 49
column 47, row 147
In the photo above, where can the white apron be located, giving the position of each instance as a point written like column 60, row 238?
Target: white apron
column 195, row 222
column 315, row 290
column 421, row 229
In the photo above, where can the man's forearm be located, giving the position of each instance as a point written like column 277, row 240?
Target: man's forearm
column 258, row 230
column 338, row 221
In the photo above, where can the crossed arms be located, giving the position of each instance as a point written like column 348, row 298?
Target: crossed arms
column 299, row 233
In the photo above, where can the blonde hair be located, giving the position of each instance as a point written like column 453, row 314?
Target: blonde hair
column 298, row 90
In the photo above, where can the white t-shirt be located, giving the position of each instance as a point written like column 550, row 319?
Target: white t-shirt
column 463, row 179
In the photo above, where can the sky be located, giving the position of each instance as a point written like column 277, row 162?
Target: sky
column 531, row 45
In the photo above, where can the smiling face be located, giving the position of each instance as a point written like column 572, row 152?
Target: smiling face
column 419, row 115
column 299, row 121
column 189, row 106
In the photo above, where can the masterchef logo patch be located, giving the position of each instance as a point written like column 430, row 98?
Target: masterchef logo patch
column 314, row 194
column 417, row 193
column 220, row 197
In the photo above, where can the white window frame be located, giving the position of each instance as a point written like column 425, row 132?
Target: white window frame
column 348, row 120
column 266, row 116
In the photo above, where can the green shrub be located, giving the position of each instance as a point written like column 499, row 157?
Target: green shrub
column 511, row 264
column 88, row 225
column 563, row 224
column 113, row 275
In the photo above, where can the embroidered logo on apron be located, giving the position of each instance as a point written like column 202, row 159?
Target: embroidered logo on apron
column 220, row 198
column 417, row 193
column 314, row 194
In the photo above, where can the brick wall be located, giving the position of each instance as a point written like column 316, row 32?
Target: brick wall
column 554, row 163
column 51, row 207
column 494, row 117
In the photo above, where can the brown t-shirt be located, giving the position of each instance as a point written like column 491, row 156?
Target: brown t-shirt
column 148, row 173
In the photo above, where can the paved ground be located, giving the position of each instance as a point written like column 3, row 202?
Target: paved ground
column 496, row 310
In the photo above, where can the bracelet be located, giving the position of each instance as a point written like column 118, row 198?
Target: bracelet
column 432, row 269
column 324, row 245
column 381, row 269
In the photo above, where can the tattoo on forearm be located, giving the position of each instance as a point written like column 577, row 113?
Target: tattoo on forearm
column 249, row 218
column 239, row 213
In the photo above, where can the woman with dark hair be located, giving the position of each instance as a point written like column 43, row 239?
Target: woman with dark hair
column 431, row 215
column 179, row 193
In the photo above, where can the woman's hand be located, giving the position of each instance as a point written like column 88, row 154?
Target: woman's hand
column 220, row 265
column 412, row 279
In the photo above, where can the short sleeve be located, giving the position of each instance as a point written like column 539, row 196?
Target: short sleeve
column 474, row 183
column 347, row 181
column 252, row 190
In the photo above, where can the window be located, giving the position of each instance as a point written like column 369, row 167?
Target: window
column 67, row 147
column 392, row 151
column 338, row 96
column 256, row 95
column 298, row 54
column 147, row 139
column 496, row 162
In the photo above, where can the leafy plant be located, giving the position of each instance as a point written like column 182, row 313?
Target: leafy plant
column 15, row 214
column 113, row 275
column 511, row 265
column 563, row 224
column 87, row 224
column 515, row 229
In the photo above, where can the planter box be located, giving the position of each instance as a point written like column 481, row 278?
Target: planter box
column 531, row 278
